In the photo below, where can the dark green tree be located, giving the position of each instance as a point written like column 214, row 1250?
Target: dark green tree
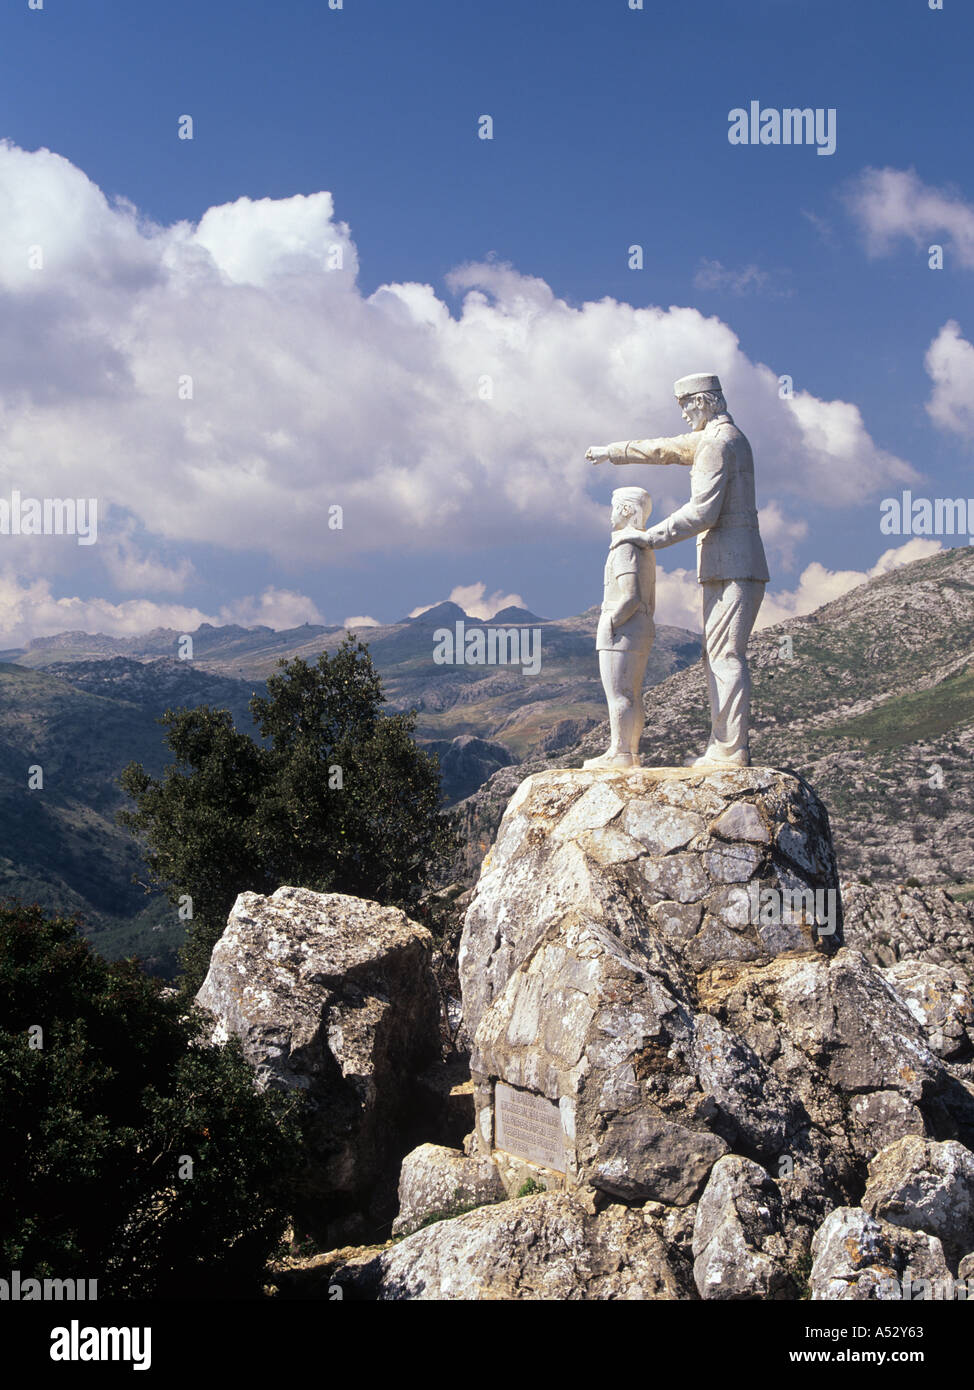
column 337, row 798
column 107, row 1088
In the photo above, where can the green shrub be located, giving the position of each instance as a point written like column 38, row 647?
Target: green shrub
column 337, row 798
column 131, row 1151
column 530, row 1187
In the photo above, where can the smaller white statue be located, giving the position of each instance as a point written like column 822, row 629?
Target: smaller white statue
column 626, row 629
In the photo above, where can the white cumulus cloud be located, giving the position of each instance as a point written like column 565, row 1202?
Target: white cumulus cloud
column 29, row 609
column 227, row 382
column 891, row 205
column 678, row 599
column 950, row 365
column 475, row 601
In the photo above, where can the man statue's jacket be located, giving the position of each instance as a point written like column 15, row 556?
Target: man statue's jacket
column 721, row 512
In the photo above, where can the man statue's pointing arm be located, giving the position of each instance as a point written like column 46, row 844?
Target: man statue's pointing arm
column 681, row 448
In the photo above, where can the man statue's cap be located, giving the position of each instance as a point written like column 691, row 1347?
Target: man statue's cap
column 691, row 385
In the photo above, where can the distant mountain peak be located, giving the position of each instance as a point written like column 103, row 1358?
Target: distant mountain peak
column 445, row 612
column 516, row 615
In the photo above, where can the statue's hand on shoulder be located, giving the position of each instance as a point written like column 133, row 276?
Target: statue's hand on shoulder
column 599, row 453
column 631, row 535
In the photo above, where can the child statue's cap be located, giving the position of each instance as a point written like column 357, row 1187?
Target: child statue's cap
column 638, row 495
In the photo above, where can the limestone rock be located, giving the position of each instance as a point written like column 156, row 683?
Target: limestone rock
column 738, row 1237
column 693, row 1051
column 940, row 1000
column 673, row 1030
column 927, row 1187
column 608, row 844
column 439, row 1181
column 854, row 1060
column 547, row 1247
column 334, row 996
column 857, row 1257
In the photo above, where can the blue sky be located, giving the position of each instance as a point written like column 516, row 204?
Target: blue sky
column 610, row 129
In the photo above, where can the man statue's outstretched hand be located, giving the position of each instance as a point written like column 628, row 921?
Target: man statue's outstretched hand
column 632, row 535
column 599, row 453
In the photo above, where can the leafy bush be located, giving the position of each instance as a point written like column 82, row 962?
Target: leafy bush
column 337, row 798
column 131, row 1151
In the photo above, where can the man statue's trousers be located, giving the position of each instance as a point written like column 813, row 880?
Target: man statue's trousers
column 730, row 607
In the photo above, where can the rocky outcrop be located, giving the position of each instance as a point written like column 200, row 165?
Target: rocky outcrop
column 926, row 1187
column 548, row 1247
column 605, row 897
column 680, row 864
column 891, row 924
column 654, row 1032
column 332, row 996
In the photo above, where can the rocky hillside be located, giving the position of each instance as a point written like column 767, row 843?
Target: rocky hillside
column 79, row 723
column 870, row 698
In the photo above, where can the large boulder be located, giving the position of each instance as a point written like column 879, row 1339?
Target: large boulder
column 435, row 1182
column 335, row 997
column 648, row 1020
column 702, row 865
column 739, row 1242
column 546, row 1247
column 857, row 1257
column 605, row 897
column 926, row 1187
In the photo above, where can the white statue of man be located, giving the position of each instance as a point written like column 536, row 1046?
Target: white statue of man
column 731, row 565
column 626, row 628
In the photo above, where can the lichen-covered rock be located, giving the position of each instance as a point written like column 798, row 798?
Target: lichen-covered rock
column 334, row 996
column 927, row 1187
column 613, row 966
column 940, row 1000
column 606, row 894
column 547, row 1247
column 843, row 1045
column 739, row 1239
column 608, row 844
column 435, row 1181
column 857, row 1257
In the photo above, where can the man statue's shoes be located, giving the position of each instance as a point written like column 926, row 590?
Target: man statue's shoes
column 614, row 760
column 711, row 758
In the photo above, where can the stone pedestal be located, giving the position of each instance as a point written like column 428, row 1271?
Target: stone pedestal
column 608, row 900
